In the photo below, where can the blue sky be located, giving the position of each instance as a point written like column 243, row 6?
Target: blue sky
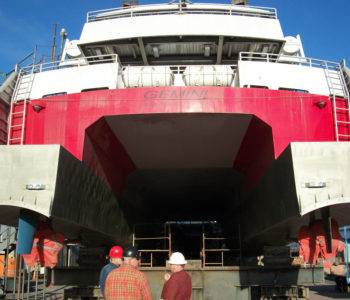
column 323, row 25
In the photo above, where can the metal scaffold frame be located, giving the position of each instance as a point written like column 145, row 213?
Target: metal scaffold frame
column 152, row 252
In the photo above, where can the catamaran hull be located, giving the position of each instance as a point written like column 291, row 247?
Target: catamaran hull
column 308, row 182
column 175, row 153
column 49, row 182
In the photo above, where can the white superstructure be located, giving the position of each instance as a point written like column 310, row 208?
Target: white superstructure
column 177, row 45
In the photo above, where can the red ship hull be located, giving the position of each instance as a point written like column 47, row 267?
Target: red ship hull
column 292, row 117
column 179, row 147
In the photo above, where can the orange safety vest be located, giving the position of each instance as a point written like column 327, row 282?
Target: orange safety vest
column 312, row 243
column 305, row 240
column 46, row 246
column 10, row 267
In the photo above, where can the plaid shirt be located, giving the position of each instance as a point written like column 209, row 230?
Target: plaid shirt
column 127, row 282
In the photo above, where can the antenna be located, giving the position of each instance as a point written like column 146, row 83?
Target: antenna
column 53, row 53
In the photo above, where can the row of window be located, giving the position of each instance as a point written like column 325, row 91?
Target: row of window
column 82, row 91
column 281, row 88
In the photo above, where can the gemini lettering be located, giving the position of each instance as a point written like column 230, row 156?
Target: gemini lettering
column 176, row 94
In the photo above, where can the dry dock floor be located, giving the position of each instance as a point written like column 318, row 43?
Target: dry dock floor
column 326, row 291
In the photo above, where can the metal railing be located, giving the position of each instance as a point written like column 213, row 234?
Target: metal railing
column 70, row 63
column 337, row 85
column 18, row 280
column 171, row 9
column 243, row 56
column 286, row 59
column 8, row 235
column 31, row 58
column 331, row 68
column 179, row 69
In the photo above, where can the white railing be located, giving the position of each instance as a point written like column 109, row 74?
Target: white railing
column 166, row 9
column 91, row 60
column 209, row 74
column 286, row 59
column 333, row 71
column 70, row 63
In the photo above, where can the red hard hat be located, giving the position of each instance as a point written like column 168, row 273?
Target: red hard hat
column 116, row 252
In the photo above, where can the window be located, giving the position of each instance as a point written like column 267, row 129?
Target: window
column 94, row 89
column 55, row 94
column 293, row 90
column 259, row 87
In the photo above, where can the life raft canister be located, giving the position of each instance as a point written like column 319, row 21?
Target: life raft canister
column 46, row 247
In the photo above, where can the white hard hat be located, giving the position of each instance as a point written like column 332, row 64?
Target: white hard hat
column 177, row 258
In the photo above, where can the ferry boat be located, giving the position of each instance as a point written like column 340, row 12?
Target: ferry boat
column 178, row 112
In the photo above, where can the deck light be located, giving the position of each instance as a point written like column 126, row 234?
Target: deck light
column 320, row 104
column 38, row 106
column 315, row 184
column 35, row 186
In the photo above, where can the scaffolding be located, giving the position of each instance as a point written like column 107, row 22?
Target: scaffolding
column 216, row 252
column 152, row 245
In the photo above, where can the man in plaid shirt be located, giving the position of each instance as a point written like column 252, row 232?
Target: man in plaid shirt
column 127, row 282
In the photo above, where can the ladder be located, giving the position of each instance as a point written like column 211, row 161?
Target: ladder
column 340, row 96
column 18, row 110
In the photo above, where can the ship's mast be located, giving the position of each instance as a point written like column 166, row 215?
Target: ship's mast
column 239, row 2
column 53, row 53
